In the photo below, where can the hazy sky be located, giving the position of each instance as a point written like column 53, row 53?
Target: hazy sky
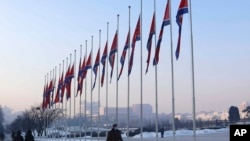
column 36, row 36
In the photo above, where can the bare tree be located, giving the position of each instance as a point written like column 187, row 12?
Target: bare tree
column 247, row 111
column 35, row 119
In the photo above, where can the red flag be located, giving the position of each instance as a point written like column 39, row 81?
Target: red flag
column 80, row 76
column 149, row 43
column 95, row 68
column 136, row 37
column 57, row 97
column 124, row 52
column 166, row 21
column 183, row 9
column 103, row 61
column 112, row 52
column 67, row 81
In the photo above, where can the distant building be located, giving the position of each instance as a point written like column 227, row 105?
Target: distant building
column 146, row 110
column 243, row 105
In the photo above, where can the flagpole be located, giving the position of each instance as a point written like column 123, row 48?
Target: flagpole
column 99, row 84
column 141, row 75
column 117, row 70
column 193, row 85
column 80, row 102
column 70, row 95
column 91, row 96
column 106, row 64
column 85, row 100
column 128, row 75
column 74, row 90
column 66, row 101
column 172, row 72
column 62, row 99
column 156, row 79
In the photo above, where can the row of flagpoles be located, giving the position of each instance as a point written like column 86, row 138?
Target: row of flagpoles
column 86, row 63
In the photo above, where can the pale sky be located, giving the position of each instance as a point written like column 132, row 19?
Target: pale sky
column 36, row 36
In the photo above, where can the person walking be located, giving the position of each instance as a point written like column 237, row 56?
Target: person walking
column 18, row 136
column 162, row 132
column 114, row 134
column 29, row 136
column 13, row 135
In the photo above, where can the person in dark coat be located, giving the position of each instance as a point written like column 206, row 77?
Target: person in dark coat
column 19, row 137
column 114, row 134
column 162, row 132
column 1, row 136
column 13, row 135
column 29, row 136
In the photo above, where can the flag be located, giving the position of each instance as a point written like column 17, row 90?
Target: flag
column 95, row 68
column 166, row 21
column 124, row 52
column 183, row 9
column 44, row 96
column 67, row 81
column 86, row 66
column 149, row 43
column 48, row 94
column 136, row 37
column 62, row 87
column 57, row 97
column 103, row 61
column 112, row 52
column 80, row 77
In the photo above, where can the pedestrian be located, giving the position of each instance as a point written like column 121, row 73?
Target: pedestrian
column 13, row 135
column 29, row 136
column 1, row 136
column 114, row 134
column 18, row 136
column 162, row 132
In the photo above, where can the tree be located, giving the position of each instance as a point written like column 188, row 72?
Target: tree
column 234, row 114
column 1, row 119
column 35, row 119
column 247, row 111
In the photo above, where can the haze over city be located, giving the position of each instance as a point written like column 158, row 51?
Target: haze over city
column 36, row 36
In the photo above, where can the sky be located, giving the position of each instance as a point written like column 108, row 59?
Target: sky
column 36, row 36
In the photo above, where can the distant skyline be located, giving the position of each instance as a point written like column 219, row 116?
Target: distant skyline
column 36, row 36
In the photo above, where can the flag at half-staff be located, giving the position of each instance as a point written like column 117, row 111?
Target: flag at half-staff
column 68, row 78
column 112, row 52
column 103, row 61
column 80, row 77
column 124, row 52
column 183, row 9
column 149, row 43
column 95, row 67
column 136, row 37
column 166, row 21
column 59, row 90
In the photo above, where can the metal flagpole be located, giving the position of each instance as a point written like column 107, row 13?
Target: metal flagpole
column 156, row 81
column 80, row 102
column 141, row 75
column 106, row 65
column 172, row 71
column 62, row 102
column 91, row 96
column 85, row 100
column 70, row 96
column 66, row 102
column 74, row 91
column 99, row 84
column 128, row 75
column 193, row 85
column 117, row 70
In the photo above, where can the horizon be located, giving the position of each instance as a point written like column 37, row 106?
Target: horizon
column 33, row 41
